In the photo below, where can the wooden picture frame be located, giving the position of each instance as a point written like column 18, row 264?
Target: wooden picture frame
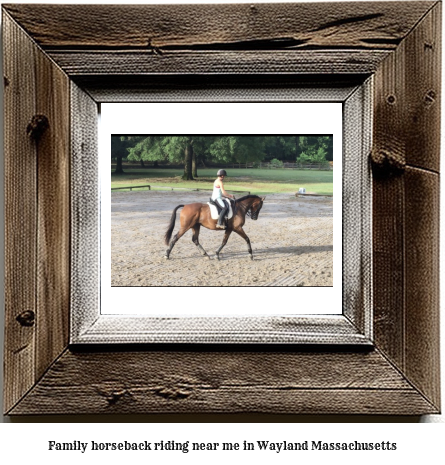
column 76, row 56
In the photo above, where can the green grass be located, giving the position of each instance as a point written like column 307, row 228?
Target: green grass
column 256, row 181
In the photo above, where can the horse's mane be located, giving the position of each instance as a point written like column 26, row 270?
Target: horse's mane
column 248, row 197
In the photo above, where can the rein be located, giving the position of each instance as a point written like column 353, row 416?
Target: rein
column 247, row 209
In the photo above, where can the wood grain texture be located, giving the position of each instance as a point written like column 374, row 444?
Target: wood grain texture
column 423, row 92
column 407, row 114
column 78, row 63
column 37, row 216
column 227, row 39
column 388, row 268
column 406, row 208
column 223, row 382
column 20, row 212
column 109, row 329
column 274, row 26
column 357, row 201
column 422, row 281
column 389, row 142
column 53, row 225
column 85, row 208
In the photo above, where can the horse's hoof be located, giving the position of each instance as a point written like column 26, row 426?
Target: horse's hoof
column 217, row 256
column 166, row 257
column 251, row 257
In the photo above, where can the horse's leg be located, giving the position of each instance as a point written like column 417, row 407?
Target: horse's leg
column 240, row 231
column 195, row 239
column 175, row 239
column 224, row 242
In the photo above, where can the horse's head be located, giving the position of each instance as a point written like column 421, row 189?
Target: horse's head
column 256, row 207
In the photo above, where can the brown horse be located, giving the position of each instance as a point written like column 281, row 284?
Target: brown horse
column 195, row 215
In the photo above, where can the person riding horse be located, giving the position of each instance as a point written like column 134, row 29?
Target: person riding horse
column 194, row 215
column 217, row 196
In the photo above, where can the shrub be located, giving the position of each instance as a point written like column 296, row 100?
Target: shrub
column 317, row 156
column 275, row 163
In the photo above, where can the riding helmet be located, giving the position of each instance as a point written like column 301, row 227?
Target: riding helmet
column 221, row 173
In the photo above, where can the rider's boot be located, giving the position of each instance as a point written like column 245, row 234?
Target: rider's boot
column 221, row 224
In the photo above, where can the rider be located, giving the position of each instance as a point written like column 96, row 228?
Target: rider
column 217, row 196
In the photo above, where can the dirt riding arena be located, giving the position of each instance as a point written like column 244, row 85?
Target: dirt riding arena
column 291, row 242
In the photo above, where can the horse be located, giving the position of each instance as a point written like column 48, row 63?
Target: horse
column 195, row 215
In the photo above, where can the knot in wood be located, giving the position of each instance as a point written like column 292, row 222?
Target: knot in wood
column 173, row 393
column 26, row 318
column 37, row 126
column 386, row 162
column 114, row 397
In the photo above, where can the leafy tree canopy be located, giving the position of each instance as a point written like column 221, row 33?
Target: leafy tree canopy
column 191, row 149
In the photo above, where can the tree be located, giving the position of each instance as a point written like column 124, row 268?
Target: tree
column 189, row 149
column 146, row 148
column 314, row 149
column 180, row 149
column 328, row 143
column 201, row 153
column 241, row 149
column 119, row 146
column 280, row 147
column 175, row 149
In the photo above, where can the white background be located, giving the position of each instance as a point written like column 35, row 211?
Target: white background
column 26, row 443
column 219, row 118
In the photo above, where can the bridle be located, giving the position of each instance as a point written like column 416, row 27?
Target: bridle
column 254, row 214
column 251, row 214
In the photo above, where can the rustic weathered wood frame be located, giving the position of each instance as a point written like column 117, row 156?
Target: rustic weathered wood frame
column 82, row 55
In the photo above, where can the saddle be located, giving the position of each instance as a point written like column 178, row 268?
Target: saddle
column 215, row 208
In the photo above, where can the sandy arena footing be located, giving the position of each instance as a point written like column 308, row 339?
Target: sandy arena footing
column 291, row 241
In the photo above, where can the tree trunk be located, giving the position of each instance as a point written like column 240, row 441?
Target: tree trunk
column 142, row 164
column 188, row 175
column 297, row 146
column 119, row 169
column 155, row 164
column 194, row 164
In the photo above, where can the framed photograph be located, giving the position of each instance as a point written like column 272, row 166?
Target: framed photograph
column 82, row 336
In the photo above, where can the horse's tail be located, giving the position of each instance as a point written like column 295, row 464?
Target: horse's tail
column 171, row 226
